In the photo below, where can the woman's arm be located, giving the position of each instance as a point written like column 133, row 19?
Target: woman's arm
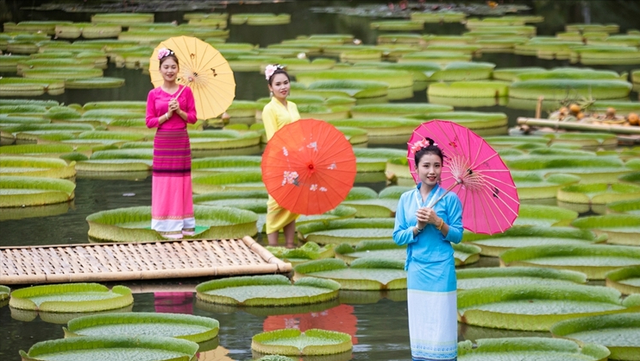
column 403, row 233
column 152, row 120
column 189, row 114
column 452, row 230
column 269, row 120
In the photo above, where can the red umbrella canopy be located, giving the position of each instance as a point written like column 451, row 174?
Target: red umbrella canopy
column 308, row 166
column 481, row 180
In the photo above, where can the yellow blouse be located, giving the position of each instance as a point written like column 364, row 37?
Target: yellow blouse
column 275, row 116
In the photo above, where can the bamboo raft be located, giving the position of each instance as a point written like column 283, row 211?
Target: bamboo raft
column 104, row 262
column 626, row 135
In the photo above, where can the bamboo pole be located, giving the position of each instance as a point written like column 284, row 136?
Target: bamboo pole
column 616, row 129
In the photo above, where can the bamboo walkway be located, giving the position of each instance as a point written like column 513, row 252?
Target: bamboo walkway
column 104, row 262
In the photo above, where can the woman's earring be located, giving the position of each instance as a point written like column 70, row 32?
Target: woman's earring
column 270, row 94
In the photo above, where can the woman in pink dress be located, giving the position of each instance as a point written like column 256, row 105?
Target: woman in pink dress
column 169, row 108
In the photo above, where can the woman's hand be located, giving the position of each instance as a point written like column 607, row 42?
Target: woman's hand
column 174, row 106
column 426, row 216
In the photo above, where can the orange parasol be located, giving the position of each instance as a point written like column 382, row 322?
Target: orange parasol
column 308, row 166
column 203, row 69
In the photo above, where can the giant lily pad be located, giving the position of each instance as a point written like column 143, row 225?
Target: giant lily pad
column 620, row 228
column 236, row 181
column 362, row 274
column 292, row 341
column 269, row 290
column 625, row 280
column 34, row 191
column 36, row 167
column 188, row 327
column 71, row 297
column 395, row 78
column 597, row 195
column 532, row 185
column 618, row 332
column 495, row 277
column 524, row 236
column 4, row 295
column 538, row 307
column 593, row 260
column 530, row 348
column 347, row 230
column 387, row 249
column 307, row 252
column 543, row 215
column 590, row 170
column 132, row 224
column 112, row 348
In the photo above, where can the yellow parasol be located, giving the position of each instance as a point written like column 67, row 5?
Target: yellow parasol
column 203, row 69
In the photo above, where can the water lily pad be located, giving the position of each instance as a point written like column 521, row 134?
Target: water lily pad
column 625, row 280
column 394, row 78
column 543, row 215
column 270, row 290
column 34, row 191
column 620, row 228
column 188, row 327
column 362, row 274
column 387, row 249
column 108, row 348
column 524, row 236
column 590, row 170
column 36, row 167
column 532, row 185
column 597, row 195
column 346, row 230
column 236, row 181
column 71, row 297
column 307, row 252
column 495, row 277
column 538, row 307
column 292, row 341
column 132, row 224
column 4, row 294
column 529, row 348
column 593, row 260
column 619, row 333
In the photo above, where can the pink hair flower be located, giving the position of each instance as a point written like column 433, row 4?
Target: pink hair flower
column 419, row 145
column 270, row 69
column 163, row 52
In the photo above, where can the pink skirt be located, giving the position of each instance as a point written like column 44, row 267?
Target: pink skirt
column 171, row 194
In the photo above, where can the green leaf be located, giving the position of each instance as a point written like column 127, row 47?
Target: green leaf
column 519, row 348
column 71, row 297
column 309, row 343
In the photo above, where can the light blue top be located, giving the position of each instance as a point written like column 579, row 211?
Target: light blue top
column 429, row 245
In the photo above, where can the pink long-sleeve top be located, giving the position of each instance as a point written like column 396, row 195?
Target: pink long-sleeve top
column 158, row 105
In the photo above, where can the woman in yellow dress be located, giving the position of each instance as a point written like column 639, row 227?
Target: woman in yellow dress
column 278, row 113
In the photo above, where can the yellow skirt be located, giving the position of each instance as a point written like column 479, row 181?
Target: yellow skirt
column 278, row 217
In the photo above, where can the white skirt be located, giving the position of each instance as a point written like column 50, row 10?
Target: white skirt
column 433, row 325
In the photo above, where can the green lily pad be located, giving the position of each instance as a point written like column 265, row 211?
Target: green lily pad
column 544, row 216
column 620, row 333
column 590, row 170
column 362, row 274
column 267, row 290
column 188, row 327
column 236, row 181
column 537, row 307
column 394, row 78
column 524, row 236
column 593, row 260
column 463, row 254
column 346, row 230
column 141, row 348
column 625, row 280
column 292, row 341
column 71, row 297
column 132, row 224
column 4, row 293
column 621, row 229
column 34, row 191
column 36, row 167
column 530, row 348
column 495, row 277
column 532, row 185
column 307, row 252
column 596, row 195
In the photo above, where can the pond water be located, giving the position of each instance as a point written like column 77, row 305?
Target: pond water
column 378, row 324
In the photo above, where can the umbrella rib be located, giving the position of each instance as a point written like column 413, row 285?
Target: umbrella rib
column 493, row 198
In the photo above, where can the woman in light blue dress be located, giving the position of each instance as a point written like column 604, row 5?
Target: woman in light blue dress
column 428, row 231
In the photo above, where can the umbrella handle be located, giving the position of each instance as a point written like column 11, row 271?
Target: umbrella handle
column 180, row 92
column 444, row 194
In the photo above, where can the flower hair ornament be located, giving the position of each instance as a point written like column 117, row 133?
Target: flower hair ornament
column 270, row 69
column 164, row 52
column 426, row 142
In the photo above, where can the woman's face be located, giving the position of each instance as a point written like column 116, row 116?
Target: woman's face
column 279, row 86
column 429, row 169
column 169, row 70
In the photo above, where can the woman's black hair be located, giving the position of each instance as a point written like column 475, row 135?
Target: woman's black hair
column 170, row 55
column 432, row 148
column 278, row 71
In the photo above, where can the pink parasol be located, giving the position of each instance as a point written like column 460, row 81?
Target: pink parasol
column 484, row 184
